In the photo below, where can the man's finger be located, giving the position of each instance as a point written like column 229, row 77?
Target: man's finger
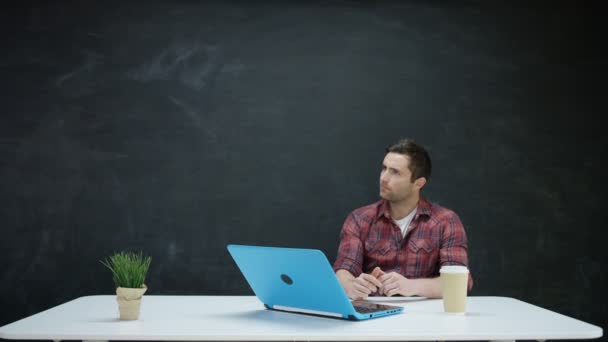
column 356, row 292
column 359, row 295
column 370, row 278
column 389, row 280
column 391, row 286
column 392, row 292
column 377, row 272
column 387, row 276
column 355, row 296
column 362, row 288
column 371, row 287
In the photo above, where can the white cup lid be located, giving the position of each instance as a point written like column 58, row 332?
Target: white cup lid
column 454, row 269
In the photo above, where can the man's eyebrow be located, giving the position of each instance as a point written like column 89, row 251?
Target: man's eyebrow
column 390, row 168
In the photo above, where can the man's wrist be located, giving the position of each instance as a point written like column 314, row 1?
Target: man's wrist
column 415, row 285
column 426, row 287
column 345, row 277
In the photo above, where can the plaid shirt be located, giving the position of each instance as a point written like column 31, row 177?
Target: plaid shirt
column 370, row 238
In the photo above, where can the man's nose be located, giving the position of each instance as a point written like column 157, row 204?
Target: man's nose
column 383, row 178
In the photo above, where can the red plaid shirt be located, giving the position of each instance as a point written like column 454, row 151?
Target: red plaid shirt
column 370, row 238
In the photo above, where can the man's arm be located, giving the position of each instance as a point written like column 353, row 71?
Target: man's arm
column 350, row 262
column 453, row 251
column 394, row 283
column 454, row 248
column 350, row 250
column 427, row 287
column 344, row 276
column 358, row 287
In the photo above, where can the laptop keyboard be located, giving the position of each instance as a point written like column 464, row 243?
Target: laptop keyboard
column 367, row 307
column 362, row 309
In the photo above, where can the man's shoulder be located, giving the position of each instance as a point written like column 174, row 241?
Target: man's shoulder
column 369, row 211
column 440, row 212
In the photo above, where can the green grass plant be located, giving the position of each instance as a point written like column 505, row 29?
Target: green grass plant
column 129, row 269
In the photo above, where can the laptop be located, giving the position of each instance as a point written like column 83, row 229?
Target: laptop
column 301, row 281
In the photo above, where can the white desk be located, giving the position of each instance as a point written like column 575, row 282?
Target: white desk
column 232, row 318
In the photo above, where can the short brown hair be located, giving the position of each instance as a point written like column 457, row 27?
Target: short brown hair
column 420, row 161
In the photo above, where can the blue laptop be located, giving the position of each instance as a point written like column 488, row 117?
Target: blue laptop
column 301, row 281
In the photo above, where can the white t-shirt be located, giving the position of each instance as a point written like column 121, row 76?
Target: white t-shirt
column 404, row 223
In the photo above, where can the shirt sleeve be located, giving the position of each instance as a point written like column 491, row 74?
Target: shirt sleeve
column 454, row 244
column 350, row 251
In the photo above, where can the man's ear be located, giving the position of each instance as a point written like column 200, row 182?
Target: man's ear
column 420, row 182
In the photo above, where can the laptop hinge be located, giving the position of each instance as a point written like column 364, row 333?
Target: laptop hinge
column 306, row 311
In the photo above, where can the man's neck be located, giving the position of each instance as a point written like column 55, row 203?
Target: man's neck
column 403, row 208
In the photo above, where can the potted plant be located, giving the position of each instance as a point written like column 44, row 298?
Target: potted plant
column 129, row 274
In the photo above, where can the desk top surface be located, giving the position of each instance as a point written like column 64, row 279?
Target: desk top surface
column 241, row 318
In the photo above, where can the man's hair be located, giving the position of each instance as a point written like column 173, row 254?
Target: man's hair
column 420, row 161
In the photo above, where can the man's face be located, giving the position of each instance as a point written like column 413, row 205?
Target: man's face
column 395, row 184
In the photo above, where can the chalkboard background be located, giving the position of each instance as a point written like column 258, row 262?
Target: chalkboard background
column 178, row 127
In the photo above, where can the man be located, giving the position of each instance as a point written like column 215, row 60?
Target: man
column 397, row 245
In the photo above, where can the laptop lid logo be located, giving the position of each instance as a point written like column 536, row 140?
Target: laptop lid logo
column 286, row 279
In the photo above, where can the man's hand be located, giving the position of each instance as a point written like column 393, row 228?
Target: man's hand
column 377, row 272
column 362, row 286
column 394, row 283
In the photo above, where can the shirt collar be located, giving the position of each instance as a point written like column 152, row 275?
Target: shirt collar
column 424, row 208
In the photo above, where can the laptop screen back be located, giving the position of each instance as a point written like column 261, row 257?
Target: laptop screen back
column 291, row 277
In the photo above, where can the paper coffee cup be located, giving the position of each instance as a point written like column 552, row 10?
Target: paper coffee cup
column 454, row 282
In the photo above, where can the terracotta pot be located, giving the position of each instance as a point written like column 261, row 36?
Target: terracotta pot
column 129, row 301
